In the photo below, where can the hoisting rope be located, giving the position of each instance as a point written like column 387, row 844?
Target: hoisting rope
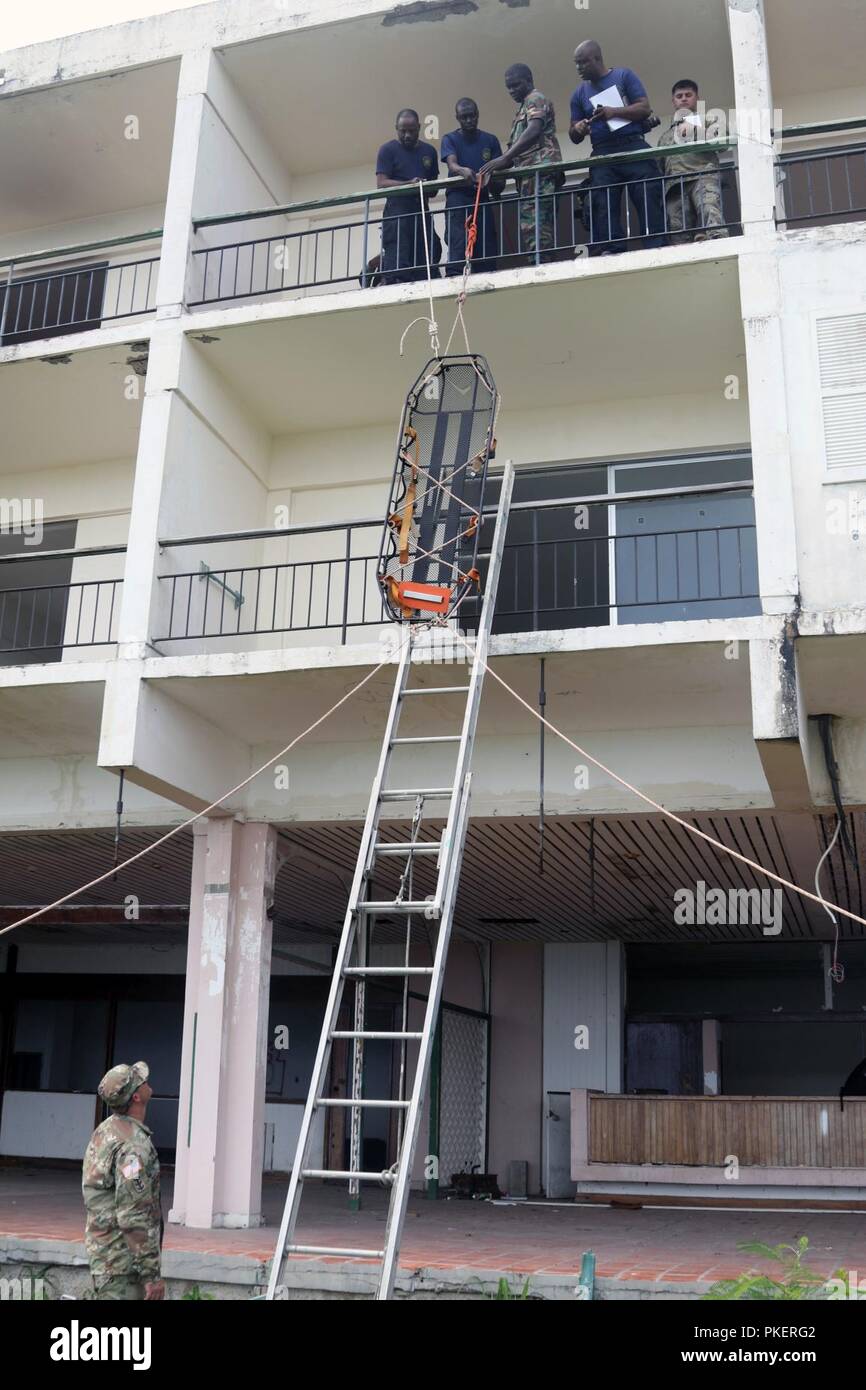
column 656, row 806
column 184, row 825
column 433, row 327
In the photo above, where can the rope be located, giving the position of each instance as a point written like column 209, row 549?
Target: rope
column 836, row 971
column 678, row 820
column 432, row 325
column 184, row 825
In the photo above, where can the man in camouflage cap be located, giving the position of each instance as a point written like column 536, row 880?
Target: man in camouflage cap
column 120, row 1184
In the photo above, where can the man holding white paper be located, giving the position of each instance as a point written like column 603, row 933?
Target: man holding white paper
column 611, row 105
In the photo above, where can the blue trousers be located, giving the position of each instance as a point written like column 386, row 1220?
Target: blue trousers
column 403, row 244
column 641, row 180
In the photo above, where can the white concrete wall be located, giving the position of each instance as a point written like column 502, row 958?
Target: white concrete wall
column 822, row 279
column 282, row 1127
column 46, row 1124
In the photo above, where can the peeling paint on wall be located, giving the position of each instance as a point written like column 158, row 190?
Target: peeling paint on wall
column 516, row 4
column 421, row 10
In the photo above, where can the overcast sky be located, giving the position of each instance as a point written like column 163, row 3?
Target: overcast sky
column 38, row 20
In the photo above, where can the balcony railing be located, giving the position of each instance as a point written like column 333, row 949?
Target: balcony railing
column 527, row 226
column 38, row 622
column 98, row 287
column 820, row 187
column 620, row 567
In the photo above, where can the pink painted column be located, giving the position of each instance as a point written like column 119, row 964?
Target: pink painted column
column 220, row 1141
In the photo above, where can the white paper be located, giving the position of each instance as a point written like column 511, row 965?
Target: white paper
column 610, row 97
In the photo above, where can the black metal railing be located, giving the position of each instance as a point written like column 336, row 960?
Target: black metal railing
column 40, row 621
column 71, row 299
column 551, row 576
column 820, row 187
column 552, row 214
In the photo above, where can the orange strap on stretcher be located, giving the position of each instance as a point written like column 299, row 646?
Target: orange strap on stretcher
column 402, row 522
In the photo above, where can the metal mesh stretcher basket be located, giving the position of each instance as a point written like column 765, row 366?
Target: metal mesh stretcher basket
column 427, row 559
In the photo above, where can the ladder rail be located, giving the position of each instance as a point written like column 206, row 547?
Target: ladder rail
column 476, row 678
column 441, row 907
column 400, row 1191
column 335, row 995
column 452, row 841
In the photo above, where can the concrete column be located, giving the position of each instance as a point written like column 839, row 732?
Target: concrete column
column 754, row 106
column 220, row 1141
column 779, row 719
column 761, row 306
column 195, row 68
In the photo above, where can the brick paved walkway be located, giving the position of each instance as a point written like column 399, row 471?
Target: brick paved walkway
column 672, row 1244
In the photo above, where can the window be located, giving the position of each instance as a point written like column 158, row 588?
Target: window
column 587, row 564
column 45, row 303
column 59, row 1045
column 684, row 557
column 842, row 368
column 34, row 594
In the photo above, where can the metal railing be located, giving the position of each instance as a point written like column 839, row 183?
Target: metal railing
column 46, row 619
column 75, row 298
column 551, row 215
column 820, row 187
column 548, row 580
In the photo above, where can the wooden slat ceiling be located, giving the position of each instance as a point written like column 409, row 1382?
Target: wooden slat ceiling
column 615, row 877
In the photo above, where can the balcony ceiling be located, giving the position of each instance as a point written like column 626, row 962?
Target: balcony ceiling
column 334, row 370
column 815, row 48
column 50, row 721
column 64, row 156
column 327, row 99
column 62, row 413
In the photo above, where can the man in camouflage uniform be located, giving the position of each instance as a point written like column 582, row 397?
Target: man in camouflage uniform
column 693, row 198
column 120, row 1184
column 532, row 140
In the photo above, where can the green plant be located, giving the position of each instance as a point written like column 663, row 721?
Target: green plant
column 795, row 1279
column 38, row 1282
column 195, row 1293
column 504, row 1290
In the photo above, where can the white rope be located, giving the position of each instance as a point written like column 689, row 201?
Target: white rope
column 836, row 971
column 432, row 325
column 184, row 825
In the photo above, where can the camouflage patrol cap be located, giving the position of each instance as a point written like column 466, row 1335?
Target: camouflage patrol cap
column 119, row 1085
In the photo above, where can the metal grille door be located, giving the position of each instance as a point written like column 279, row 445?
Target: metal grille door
column 463, row 1098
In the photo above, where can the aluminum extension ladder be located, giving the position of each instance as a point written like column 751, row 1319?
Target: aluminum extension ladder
column 351, row 961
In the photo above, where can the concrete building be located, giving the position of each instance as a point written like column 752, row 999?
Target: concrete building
column 199, row 398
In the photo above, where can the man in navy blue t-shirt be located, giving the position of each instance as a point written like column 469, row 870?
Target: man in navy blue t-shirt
column 406, row 160
column 465, row 150
column 642, row 178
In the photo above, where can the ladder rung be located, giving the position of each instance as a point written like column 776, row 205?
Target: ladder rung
column 396, row 907
column 408, row 847
column 410, row 793
column 372, row 1104
column 346, row 1174
column 388, row 970
column 438, row 690
column 363, row 1033
column 335, row 1250
column 429, row 738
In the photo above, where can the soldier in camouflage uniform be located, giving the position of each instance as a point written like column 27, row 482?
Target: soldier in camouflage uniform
column 120, row 1184
column 532, row 140
column 693, row 198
